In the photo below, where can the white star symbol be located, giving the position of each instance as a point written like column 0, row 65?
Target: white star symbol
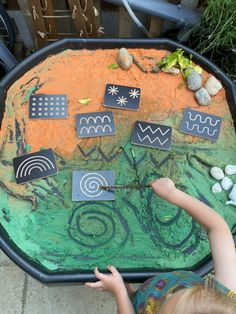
column 134, row 93
column 122, row 101
column 113, row 90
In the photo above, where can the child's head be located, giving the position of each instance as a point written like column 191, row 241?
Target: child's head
column 198, row 300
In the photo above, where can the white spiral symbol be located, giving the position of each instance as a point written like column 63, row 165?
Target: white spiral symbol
column 90, row 184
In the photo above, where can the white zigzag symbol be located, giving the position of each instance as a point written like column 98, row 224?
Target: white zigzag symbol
column 95, row 128
column 94, row 119
column 151, row 141
column 153, row 132
column 203, row 129
column 201, row 119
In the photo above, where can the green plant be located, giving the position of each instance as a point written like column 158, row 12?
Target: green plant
column 216, row 33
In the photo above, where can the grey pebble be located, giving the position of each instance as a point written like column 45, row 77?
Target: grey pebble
column 213, row 86
column 202, row 97
column 194, row 80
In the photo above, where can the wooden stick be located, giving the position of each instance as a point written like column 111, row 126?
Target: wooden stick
column 128, row 186
column 139, row 65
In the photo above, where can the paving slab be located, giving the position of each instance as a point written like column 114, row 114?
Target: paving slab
column 75, row 299
column 5, row 260
column 12, row 281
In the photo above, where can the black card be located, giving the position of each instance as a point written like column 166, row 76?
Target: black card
column 34, row 166
column 95, row 124
column 43, row 106
column 151, row 135
column 86, row 185
column 201, row 124
column 122, row 97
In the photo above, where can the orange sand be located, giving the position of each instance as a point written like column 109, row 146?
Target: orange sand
column 84, row 73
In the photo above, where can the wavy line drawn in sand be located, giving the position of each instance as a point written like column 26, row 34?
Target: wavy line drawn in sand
column 95, row 124
column 151, row 135
column 86, row 185
column 201, row 124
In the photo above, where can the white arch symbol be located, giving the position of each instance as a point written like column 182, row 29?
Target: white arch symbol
column 27, row 161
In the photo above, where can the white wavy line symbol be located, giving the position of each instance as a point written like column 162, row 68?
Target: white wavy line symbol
column 201, row 119
column 201, row 131
column 30, row 163
column 95, row 128
column 90, row 184
column 151, row 141
column 153, row 132
column 94, row 119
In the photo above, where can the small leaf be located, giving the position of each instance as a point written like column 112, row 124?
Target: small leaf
column 113, row 66
column 84, row 101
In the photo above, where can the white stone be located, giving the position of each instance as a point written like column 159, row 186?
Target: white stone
column 173, row 71
column 232, row 196
column 217, row 173
column 230, row 169
column 213, row 86
column 124, row 59
column 226, row 183
column 216, row 188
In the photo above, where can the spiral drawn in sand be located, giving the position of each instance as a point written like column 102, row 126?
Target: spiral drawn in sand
column 90, row 184
column 94, row 225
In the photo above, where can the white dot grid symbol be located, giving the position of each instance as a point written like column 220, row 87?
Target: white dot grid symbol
column 33, row 114
column 40, row 98
column 34, row 98
column 46, row 98
column 33, row 103
column 62, row 98
column 57, row 113
column 62, row 113
column 62, row 108
column 45, row 113
column 40, row 109
column 33, row 109
column 57, row 108
column 63, row 104
column 51, row 98
column 39, row 113
column 51, row 103
column 57, row 98
column 45, row 103
column 40, row 104
column 46, row 109
column 90, row 184
column 51, row 108
column 57, row 103
column 51, row 113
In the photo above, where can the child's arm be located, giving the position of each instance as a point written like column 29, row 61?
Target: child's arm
column 220, row 238
column 114, row 284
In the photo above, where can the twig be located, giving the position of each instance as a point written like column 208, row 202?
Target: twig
column 139, row 65
column 128, row 186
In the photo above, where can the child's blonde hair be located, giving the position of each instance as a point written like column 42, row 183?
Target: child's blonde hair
column 201, row 300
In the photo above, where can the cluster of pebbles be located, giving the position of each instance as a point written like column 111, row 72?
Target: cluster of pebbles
column 203, row 94
column 226, row 183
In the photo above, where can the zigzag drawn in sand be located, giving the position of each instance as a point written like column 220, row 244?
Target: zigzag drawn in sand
column 95, row 128
column 200, row 119
column 203, row 129
column 94, row 119
column 153, row 132
column 151, row 141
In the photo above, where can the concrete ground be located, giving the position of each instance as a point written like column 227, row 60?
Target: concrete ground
column 22, row 294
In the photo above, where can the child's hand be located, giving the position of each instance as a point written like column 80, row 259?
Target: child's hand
column 112, row 283
column 163, row 187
